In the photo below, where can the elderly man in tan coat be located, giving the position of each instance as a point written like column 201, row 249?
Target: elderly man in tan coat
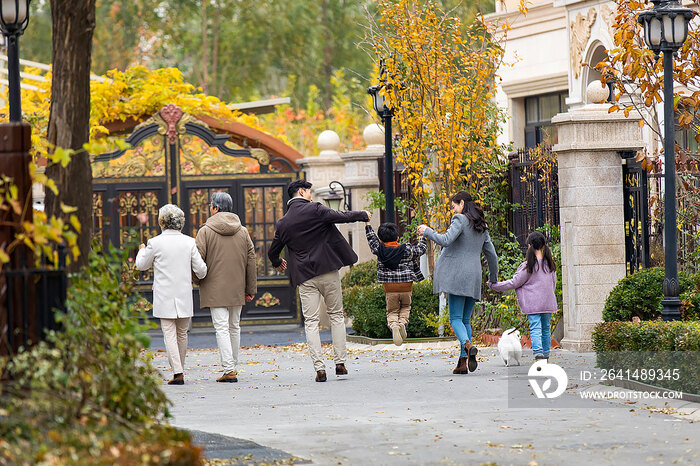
column 231, row 280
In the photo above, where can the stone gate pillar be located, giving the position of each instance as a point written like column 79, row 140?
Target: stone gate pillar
column 591, row 210
column 361, row 177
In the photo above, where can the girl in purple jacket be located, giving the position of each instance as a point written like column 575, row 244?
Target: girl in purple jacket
column 534, row 283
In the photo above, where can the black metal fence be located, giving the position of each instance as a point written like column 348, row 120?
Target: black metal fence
column 688, row 212
column 534, row 189
column 29, row 295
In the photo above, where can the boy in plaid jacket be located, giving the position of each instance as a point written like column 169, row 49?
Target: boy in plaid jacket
column 397, row 269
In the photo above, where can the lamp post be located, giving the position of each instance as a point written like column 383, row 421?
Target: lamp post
column 665, row 30
column 385, row 113
column 333, row 200
column 14, row 16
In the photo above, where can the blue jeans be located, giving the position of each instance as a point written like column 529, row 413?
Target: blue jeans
column 461, row 308
column 540, row 333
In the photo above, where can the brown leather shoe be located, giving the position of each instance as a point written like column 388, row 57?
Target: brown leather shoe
column 228, row 377
column 320, row 376
column 340, row 369
column 461, row 366
column 178, row 379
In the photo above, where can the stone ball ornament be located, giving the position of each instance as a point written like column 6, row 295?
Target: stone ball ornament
column 328, row 141
column 374, row 135
column 597, row 92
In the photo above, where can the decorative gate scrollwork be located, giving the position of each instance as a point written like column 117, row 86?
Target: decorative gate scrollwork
column 636, row 211
column 175, row 158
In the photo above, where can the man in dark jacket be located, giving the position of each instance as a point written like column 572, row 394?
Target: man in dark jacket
column 316, row 251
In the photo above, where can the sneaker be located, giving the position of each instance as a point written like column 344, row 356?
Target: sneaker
column 539, row 356
column 396, row 335
column 228, row 377
column 402, row 330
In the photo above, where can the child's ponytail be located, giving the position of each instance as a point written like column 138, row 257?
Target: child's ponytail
column 537, row 241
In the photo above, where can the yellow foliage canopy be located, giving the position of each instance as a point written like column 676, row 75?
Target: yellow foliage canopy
column 439, row 78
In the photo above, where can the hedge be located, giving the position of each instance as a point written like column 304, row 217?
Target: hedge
column 360, row 275
column 640, row 295
column 652, row 345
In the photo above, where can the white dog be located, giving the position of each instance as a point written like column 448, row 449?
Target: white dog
column 510, row 348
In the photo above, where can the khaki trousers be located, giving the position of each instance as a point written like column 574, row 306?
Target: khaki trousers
column 310, row 294
column 398, row 307
column 175, row 337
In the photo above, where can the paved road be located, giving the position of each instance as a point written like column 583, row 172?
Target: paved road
column 204, row 338
column 405, row 407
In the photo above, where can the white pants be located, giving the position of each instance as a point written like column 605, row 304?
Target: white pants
column 175, row 337
column 326, row 287
column 226, row 322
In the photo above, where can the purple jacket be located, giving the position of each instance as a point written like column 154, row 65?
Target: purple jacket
column 535, row 292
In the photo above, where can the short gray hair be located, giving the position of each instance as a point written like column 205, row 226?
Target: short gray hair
column 223, row 201
column 171, row 217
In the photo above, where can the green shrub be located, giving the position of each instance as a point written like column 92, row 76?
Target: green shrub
column 90, row 390
column 690, row 307
column 640, row 295
column 367, row 307
column 652, row 345
column 362, row 274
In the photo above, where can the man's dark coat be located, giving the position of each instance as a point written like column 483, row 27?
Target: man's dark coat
column 314, row 243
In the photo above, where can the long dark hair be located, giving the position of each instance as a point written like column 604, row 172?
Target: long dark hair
column 537, row 241
column 472, row 210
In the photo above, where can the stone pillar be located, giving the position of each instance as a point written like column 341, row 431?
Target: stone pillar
column 327, row 166
column 361, row 177
column 591, row 210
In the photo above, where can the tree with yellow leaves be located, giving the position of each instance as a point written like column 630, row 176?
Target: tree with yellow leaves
column 439, row 78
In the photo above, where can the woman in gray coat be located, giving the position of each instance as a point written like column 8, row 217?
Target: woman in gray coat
column 458, row 270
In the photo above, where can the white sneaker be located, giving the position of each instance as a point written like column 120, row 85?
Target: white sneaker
column 396, row 334
column 402, row 329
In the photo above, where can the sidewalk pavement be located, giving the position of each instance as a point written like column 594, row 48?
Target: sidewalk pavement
column 251, row 335
column 402, row 405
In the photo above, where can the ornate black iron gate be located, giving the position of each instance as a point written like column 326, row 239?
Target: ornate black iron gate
column 173, row 158
column 636, row 210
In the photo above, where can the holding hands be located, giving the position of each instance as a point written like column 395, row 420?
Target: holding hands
column 369, row 216
column 421, row 229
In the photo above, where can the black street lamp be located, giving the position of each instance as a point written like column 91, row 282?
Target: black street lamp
column 333, row 200
column 14, row 16
column 385, row 113
column 665, row 30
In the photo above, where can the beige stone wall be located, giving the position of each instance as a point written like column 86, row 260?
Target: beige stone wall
column 591, row 213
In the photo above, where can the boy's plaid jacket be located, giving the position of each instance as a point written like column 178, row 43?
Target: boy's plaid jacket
column 408, row 270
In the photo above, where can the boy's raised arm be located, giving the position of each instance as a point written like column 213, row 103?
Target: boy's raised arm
column 418, row 249
column 372, row 239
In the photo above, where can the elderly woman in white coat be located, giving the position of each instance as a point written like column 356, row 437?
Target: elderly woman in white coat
column 174, row 256
column 458, row 270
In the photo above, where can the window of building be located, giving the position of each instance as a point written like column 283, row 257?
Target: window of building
column 539, row 111
column 685, row 138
